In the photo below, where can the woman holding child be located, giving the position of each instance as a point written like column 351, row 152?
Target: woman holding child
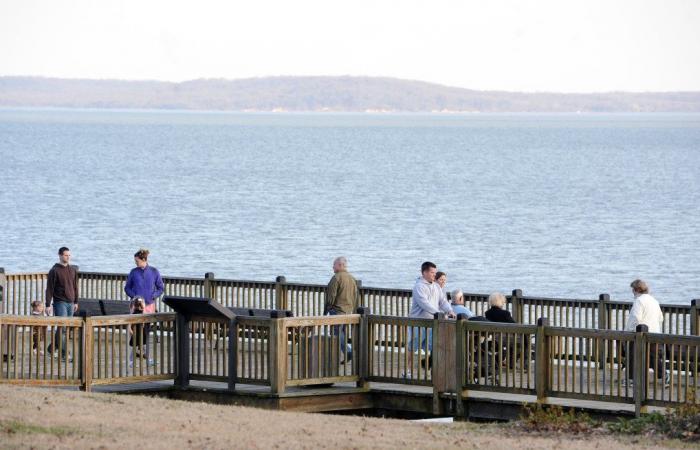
column 144, row 281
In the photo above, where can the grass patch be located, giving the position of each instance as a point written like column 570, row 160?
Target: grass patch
column 18, row 427
column 682, row 422
column 553, row 418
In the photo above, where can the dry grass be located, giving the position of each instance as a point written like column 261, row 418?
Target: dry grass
column 51, row 418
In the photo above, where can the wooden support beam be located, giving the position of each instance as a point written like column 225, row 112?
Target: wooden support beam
column 363, row 348
column 541, row 360
column 640, row 369
column 182, row 377
column 278, row 353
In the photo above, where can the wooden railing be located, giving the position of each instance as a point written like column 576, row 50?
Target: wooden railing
column 316, row 350
column 401, row 349
column 496, row 357
column 18, row 290
column 458, row 357
column 38, row 350
column 252, row 348
column 129, row 348
column 304, row 299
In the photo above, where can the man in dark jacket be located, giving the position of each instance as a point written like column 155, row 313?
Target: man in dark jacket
column 62, row 294
column 342, row 297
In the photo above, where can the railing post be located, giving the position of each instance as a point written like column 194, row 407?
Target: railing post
column 280, row 293
column 3, row 289
column 516, row 300
column 232, row 353
column 209, row 286
column 603, row 300
column 640, row 369
column 363, row 349
column 694, row 318
column 541, row 360
column 360, row 300
column 3, row 344
column 437, row 371
column 86, row 357
column 278, row 352
column 460, row 366
column 182, row 377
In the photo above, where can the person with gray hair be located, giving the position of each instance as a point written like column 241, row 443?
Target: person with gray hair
column 497, row 311
column 458, row 304
column 645, row 311
column 342, row 297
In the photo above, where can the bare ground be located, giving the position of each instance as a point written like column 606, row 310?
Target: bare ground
column 52, row 418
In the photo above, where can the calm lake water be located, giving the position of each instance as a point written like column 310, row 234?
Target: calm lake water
column 557, row 205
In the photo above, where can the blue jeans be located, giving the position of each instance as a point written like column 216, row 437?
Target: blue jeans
column 61, row 309
column 341, row 332
column 421, row 339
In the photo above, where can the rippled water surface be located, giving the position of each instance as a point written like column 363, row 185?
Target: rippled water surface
column 558, row 205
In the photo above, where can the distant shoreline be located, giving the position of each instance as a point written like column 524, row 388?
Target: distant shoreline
column 366, row 95
column 339, row 113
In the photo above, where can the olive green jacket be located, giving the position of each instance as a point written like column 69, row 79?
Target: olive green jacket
column 342, row 294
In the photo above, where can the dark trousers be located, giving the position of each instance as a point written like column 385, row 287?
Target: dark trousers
column 657, row 360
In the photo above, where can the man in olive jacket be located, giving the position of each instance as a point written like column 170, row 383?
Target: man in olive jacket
column 342, row 297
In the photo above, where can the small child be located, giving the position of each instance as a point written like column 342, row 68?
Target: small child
column 139, row 332
column 38, row 331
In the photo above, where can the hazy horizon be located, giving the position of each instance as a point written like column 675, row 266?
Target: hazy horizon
column 509, row 46
column 147, row 80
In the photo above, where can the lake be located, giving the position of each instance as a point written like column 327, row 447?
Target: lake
column 566, row 205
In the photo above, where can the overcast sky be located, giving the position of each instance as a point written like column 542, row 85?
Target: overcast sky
column 543, row 45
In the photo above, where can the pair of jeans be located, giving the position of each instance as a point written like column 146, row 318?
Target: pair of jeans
column 61, row 309
column 341, row 332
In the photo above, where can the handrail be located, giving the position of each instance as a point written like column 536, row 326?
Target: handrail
column 451, row 356
column 305, row 299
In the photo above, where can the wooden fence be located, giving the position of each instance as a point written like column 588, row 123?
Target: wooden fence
column 450, row 356
column 18, row 290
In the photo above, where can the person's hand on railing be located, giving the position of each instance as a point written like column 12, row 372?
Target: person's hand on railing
column 49, row 310
column 451, row 315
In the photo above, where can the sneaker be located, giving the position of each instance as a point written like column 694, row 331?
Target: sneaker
column 151, row 362
column 627, row 383
column 406, row 374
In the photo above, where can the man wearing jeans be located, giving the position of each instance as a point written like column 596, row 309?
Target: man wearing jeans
column 342, row 297
column 62, row 296
column 428, row 298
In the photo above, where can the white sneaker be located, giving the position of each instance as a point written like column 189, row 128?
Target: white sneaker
column 627, row 383
column 406, row 374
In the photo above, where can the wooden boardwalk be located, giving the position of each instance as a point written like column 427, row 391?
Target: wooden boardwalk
column 514, row 387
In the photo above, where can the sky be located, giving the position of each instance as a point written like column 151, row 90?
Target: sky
column 543, row 45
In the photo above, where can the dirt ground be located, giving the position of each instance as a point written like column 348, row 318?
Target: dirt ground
column 52, row 418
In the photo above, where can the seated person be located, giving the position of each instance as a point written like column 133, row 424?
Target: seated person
column 458, row 304
column 497, row 311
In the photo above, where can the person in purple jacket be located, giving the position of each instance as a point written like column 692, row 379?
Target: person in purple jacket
column 144, row 281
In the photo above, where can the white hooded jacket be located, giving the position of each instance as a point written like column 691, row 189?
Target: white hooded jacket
column 645, row 311
column 428, row 298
